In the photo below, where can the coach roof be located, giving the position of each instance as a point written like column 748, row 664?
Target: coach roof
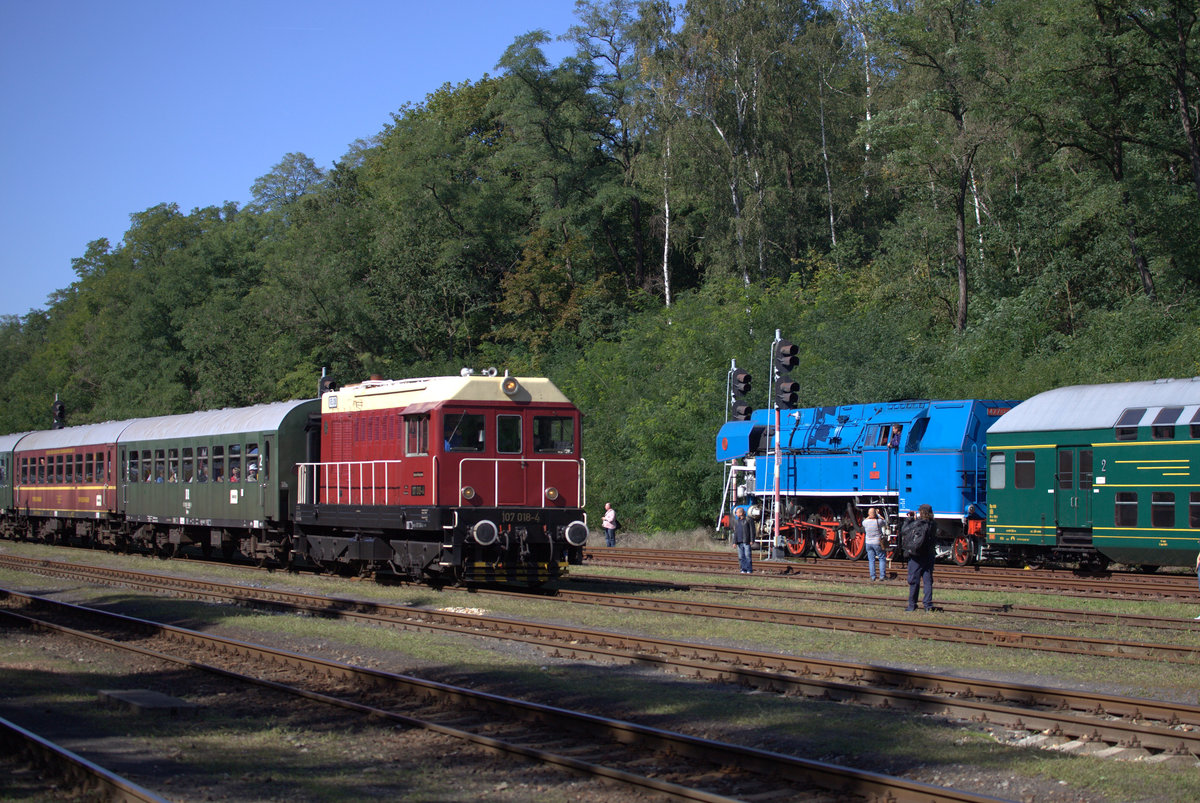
column 231, row 421
column 1098, row 406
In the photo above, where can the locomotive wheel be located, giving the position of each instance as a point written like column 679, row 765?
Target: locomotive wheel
column 961, row 551
column 854, row 544
column 797, row 542
column 824, row 541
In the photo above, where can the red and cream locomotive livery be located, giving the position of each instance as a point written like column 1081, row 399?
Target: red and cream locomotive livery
column 467, row 478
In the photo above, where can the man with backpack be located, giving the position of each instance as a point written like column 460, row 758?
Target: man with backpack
column 918, row 542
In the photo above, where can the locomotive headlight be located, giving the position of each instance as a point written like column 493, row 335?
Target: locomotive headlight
column 485, row 532
column 576, row 533
column 510, row 386
column 552, row 493
column 755, row 512
column 467, row 492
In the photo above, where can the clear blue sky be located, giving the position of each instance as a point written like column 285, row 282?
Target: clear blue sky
column 109, row 107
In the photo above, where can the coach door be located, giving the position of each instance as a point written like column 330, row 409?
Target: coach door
column 1074, row 492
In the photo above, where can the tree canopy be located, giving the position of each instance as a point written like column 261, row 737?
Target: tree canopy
column 938, row 198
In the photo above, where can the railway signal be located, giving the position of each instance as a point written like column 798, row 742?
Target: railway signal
column 783, row 360
column 739, row 389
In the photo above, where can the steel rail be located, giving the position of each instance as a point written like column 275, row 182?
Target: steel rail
column 774, row 766
column 1166, row 727
column 79, row 773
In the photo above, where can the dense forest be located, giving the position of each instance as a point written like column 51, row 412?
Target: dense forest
column 932, row 198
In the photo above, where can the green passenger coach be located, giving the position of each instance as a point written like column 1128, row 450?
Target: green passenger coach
column 1098, row 473
column 203, row 478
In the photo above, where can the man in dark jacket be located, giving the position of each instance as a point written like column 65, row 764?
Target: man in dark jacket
column 743, row 537
column 920, row 561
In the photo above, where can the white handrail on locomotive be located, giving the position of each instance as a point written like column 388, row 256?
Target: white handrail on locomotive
column 307, row 494
column 581, row 488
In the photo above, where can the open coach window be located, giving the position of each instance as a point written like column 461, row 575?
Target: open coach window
column 553, row 434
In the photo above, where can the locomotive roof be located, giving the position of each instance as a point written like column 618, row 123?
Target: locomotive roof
column 429, row 392
column 1098, row 406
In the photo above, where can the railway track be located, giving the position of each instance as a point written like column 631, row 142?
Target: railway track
column 998, row 610
column 78, row 776
column 1129, row 727
column 655, row 761
column 1063, row 582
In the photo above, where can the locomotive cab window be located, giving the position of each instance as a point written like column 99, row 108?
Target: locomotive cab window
column 553, row 434
column 463, row 432
column 996, row 471
column 1126, row 429
column 1194, row 510
column 1195, row 425
column 508, row 434
column 416, row 434
column 1164, row 423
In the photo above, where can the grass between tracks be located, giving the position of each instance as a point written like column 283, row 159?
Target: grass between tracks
column 924, row 748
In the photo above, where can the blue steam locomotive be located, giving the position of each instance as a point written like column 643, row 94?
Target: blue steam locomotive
column 810, row 475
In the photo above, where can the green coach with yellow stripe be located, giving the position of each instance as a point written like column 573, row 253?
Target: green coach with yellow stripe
column 1099, row 474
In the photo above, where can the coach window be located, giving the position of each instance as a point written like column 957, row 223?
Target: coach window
column 201, row 464
column 24, row 473
column 235, row 463
column 416, row 434
column 132, row 474
column 553, row 434
column 101, row 460
column 189, row 473
column 508, row 434
column 89, row 467
column 464, row 432
column 147, row 466
column 1023, row 474
column 996, row 471
column 1126, row 429
column 218, row 464
column 160, row 465
column 45, row 474
column 58, row 469
column 1162, row 509
column 253, row 464
column 172, row 465
column 1164, row 423
column 69, row 468
column 1126, row 513
column 1194, row 510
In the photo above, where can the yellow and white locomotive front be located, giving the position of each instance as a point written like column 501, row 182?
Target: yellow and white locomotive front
column 473, row 478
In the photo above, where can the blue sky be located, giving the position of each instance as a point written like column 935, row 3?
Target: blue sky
column 110, row 108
